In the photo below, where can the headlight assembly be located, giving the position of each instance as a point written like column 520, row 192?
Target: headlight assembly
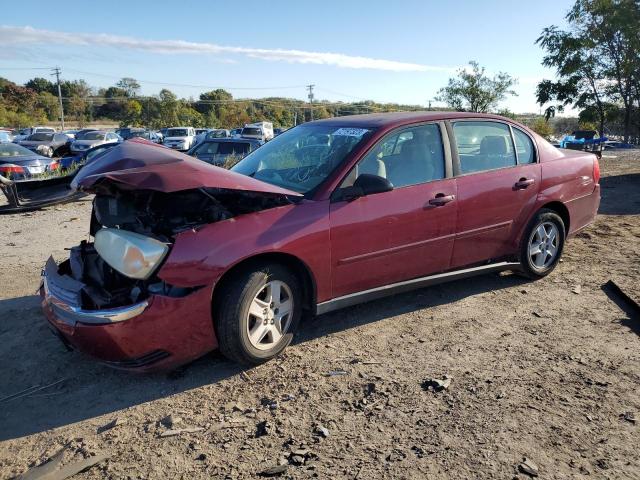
column 131, row 254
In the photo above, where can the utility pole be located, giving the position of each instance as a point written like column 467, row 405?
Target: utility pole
column 56, row 72
column 310, row 88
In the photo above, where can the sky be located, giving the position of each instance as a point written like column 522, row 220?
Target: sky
column 401, row 51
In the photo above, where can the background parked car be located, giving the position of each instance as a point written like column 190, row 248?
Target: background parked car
column 92, row 139
column 236, row 132
column 71, row 133
column 127, row 133
column 218, row 150
column 25, row 132
column 20, row 163
column 83, row 158
column 180, row 138
column 258, row 130
column 218, row 133
column 47, row 144
column 5, row 136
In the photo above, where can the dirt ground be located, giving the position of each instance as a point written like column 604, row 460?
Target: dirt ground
column 546, row 370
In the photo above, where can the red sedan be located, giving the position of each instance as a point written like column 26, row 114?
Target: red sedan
column 188, row 257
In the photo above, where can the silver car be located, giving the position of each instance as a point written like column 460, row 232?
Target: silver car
column 93, row 139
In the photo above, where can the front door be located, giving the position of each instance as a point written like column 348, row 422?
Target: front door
column 401, row 234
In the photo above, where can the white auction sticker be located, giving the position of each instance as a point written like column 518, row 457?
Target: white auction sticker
column 351, row 132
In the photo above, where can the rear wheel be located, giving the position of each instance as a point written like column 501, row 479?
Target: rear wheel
column 542, row 243
column 257, row 313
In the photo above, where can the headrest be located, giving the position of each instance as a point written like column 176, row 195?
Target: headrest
column 493, row 145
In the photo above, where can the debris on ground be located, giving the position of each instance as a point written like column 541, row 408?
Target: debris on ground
column 49, row 470
column 321, row 431
column 337, row 373
column 528, row 467
column 274, row 471
column 577, row 289
column 112, row 424
column 629, row 417
column 263, row 428
column 171, row 421
column 178, row 431
column 436, row 385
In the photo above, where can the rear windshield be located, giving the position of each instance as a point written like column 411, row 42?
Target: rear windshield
column 177, row 132
column 93, row 136
column 41, row 137
column 13, row 150
column 251, row 131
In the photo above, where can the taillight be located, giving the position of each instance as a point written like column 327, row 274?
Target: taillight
column 596, row 171
column 54, row 166
column 11, row 168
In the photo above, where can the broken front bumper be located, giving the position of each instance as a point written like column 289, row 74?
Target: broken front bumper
column 157, row 333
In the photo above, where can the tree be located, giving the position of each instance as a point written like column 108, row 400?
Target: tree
column 41, row 85
column 132, row 114
column 596, row 59
column 541, row 127
column 474, row 91
column 129, row 85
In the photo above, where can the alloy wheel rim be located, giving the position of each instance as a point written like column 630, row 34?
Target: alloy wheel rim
column 543, row 245
column 270, row 315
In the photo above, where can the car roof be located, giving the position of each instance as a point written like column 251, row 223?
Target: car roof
column 392, row 119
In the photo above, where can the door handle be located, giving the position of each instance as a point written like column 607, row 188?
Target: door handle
column 524, row 183
column 441, row 199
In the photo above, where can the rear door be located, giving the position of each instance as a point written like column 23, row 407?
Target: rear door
column 498, row 178
column 401, row 234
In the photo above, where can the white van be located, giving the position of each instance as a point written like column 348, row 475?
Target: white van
column 180, row 138
column 260, row 131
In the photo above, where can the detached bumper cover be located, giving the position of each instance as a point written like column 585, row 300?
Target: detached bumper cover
column 158, row 333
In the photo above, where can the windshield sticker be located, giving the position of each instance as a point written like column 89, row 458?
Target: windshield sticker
column 351, row 132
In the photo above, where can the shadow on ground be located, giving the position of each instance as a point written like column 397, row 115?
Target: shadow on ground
column 618, row 187
column 626, row 304
column 31, row 356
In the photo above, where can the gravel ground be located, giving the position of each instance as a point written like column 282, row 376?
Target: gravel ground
column 547, row 370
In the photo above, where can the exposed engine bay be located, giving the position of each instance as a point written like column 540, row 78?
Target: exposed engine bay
column 157, row 215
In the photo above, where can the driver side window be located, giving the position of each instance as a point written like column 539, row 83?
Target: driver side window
column 409, row 157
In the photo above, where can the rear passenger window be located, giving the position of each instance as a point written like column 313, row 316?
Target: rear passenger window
column 412, row 156
column 483, row 146
column 524, row 147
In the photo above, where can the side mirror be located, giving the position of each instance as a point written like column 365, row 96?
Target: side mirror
column 365, row 184
column 370, row 184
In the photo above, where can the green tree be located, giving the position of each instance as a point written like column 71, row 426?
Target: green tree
column 473, row 91
column 129, row 85
column 596, row 59
column 132, row 113
column 41, row 85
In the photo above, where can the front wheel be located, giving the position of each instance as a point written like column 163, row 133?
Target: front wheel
column 257, row 312
column 542, row 243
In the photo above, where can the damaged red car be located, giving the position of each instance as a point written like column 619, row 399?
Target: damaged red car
column 187, row 257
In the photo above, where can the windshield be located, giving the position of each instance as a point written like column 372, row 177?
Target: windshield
column 13, row 150
column 177, row 132
column 301, row 158
column 40, row 137
column 93, row 136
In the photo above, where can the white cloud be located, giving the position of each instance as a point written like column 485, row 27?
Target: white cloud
column 12, row 35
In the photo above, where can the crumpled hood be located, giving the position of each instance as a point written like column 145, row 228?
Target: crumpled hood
column 140, row 164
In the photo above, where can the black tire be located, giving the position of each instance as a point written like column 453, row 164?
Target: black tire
column 231, row 312
column 529, row 268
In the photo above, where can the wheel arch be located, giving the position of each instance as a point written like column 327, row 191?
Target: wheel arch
column 295, row 264
column 562, row 210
